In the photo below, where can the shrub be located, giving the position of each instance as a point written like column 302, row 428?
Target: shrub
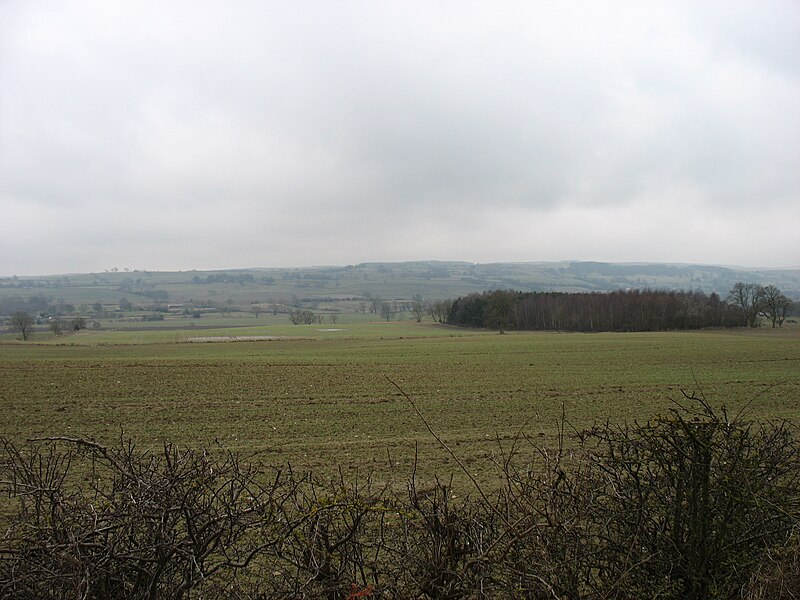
column 691, row 505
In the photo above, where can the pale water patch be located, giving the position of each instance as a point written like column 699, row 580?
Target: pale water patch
column 240, row 338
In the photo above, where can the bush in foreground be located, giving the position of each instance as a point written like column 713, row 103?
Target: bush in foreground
column 692, row 505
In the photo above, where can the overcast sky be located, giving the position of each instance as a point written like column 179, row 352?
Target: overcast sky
column 222, row 134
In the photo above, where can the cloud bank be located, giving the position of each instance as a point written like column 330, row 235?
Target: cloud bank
column 228, row 134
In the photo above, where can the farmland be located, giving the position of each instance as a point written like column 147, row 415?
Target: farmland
column 323, row 397
column 339, row 288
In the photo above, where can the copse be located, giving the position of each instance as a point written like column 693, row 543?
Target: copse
column 629, row 310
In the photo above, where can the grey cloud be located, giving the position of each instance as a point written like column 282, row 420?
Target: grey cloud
column 315, row 125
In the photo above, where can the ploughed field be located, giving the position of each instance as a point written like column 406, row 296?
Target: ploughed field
column 326, row 398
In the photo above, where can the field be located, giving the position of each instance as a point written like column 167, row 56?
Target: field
column 320, row 397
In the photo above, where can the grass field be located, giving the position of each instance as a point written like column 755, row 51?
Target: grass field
column 320, row 399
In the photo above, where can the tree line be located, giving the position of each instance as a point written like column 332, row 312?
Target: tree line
column 628, row 310
column 633, row 310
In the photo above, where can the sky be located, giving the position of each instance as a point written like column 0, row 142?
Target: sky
column 228, row 134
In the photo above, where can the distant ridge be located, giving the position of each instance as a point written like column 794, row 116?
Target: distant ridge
column 432, row 279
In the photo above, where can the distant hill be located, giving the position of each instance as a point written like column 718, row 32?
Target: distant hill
column 397, row 281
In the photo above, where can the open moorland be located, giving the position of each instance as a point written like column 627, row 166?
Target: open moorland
column 324, row 396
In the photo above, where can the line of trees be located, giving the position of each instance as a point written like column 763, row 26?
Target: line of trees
column 240, row 278
column 632, row 310
column 32, row 304
column 23, row 323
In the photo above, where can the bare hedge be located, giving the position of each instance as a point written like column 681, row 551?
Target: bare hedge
column 692, row 505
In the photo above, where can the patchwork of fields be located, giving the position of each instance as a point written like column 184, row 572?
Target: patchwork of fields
column 323, row 397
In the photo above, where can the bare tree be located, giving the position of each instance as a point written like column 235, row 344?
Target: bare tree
column 57, row 326
column 747, row 296
column 773, row 305
column 387, row 311
column 418, row 307
column 439, row 310
column 22, row 322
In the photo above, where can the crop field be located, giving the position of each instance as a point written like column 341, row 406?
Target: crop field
column 324, row 397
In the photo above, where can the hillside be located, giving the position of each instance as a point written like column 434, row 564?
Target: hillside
column 430, row 279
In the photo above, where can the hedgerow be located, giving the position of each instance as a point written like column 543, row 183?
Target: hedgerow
column 695, row 504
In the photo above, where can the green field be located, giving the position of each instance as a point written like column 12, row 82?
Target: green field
column 320, row 399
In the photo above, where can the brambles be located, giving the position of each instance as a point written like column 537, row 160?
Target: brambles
column 690, row 505
column 99, row 522
column 695, row 495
